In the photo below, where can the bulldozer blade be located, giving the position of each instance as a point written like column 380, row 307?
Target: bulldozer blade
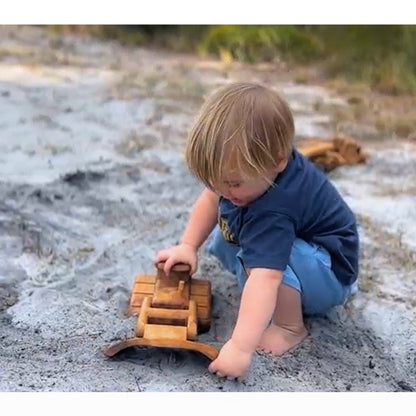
column 208, row 350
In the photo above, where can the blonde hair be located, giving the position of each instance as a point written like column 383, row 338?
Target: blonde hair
column 242, row 127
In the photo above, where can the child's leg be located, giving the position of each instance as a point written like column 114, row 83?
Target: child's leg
column 286, row 329
column 320, row 289
column 309, row 286
column 227, row 253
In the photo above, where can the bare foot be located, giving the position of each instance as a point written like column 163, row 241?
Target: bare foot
column 278, row 340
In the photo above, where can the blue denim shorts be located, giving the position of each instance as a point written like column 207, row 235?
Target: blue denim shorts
column 309, row 272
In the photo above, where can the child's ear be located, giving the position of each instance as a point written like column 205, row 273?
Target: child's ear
column 281, row 165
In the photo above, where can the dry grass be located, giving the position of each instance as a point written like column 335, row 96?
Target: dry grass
column 150, row 85
column 375, row 114
column 387, row 115
column 398, row 254
column 134, row 143
column 385, row 252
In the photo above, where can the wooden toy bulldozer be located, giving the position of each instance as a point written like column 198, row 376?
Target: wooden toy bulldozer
column 172, row 310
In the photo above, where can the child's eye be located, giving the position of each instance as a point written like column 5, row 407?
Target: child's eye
column 235, row 185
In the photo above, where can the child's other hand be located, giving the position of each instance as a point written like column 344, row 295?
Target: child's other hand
column 231, row 362
column 182, row 253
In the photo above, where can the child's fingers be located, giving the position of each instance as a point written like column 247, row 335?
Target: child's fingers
column 193, row 268
column 171, row 256
column 162, row 255
column 220, row 374
column 213, row 368
column 169, row 263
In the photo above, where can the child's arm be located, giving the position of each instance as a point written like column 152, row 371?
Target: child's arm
column 202, row 219
column 200, row 224
column 258, row 302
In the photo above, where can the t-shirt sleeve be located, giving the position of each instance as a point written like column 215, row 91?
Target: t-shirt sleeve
column 266, row 241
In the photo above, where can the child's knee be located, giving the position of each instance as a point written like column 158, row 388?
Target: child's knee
column 225, row 252
column 310, row 268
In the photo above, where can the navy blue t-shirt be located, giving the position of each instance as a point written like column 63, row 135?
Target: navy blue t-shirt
column 302, row 204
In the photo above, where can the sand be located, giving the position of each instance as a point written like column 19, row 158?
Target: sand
column 93, row 183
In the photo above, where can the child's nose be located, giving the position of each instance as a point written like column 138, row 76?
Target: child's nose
column 225, row 191
column 228, row 193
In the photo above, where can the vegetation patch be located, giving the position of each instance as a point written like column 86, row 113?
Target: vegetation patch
column 8, row 297
column 383, row 56
column 261, row 43
column 134, row 143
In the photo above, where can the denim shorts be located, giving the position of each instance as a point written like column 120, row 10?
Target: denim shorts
column 309, row 272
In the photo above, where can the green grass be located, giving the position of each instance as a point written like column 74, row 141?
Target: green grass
column 255, row 43
column 382, row 56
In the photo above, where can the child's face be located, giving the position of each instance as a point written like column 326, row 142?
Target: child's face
column 241, row 191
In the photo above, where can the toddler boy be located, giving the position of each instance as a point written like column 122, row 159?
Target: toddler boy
column 283, row 229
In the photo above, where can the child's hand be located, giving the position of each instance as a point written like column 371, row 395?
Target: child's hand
column 182, row 253
column 231, row 362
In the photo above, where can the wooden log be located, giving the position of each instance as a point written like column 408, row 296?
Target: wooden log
column 315, row 148
column 337, row 151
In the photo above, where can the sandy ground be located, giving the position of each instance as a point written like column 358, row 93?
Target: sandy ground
column 93, row 183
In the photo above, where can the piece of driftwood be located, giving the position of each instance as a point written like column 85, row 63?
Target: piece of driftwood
column 172, row 310
column 337, row 151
